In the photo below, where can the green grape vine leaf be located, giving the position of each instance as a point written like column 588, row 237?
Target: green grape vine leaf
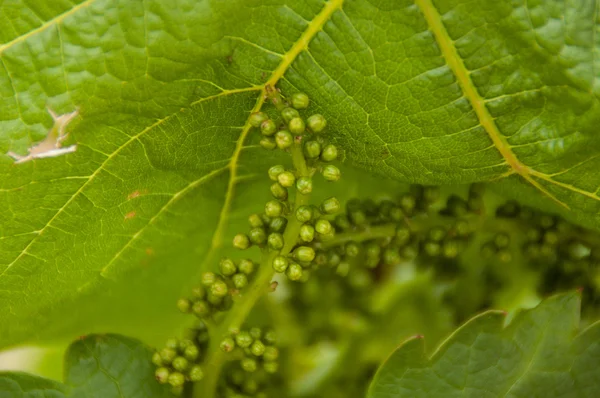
column 102, row 366
column 159, row 166
column 538, row 354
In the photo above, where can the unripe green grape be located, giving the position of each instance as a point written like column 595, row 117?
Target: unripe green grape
column 156, row 359
column 333, row 259
column 255, row 221
column 284, row 139
column 241, row 241
column 331, row 205
column 243, row 339
column 329, row 153
column 191, row 352
column 307, row 233
column 304, row 253
column 180, row 364
column 201, row 309
column 312, row 149
column 409, row 252
column 432, row 249
column 257, row 118
column 436, row 234
column 300, row 101
column 323, row 227
column 297, row 126
column 227, row 344
column 196, row 373
column 219, row 289
column 546, row 221
column 257, row 236
column 391, row 256
column 304, row 185
column 331, row 173
column 184, row 343
column 342, row 222
column 168, row 355
column 504, row 255
column 501, row 240
column 203, row 337
column 249, row 364
column 274, row 171
column 396, row 214
column 551, row 237
column 250, row 387
column 475, row 203
column 257, row 348
column 279, row 192
column 268, row 143
column 289, row 113
column 533, row 234
column 271, row 353
column 402, row 236
column 214, row 299
column 316, row 123
column 208, row 278
column 294, row 272
column 172, row 343
column 271, row 367
column 526, row 213
column 343, row 268
column 408, row 203
column 270, row 336
column 320, row 259
column 352, row 249
column 268, row 127
column 246, row 266
column 286, row 179
column 198, row 292
column 451, row 248
column 240, row 281
column 255, row 333
column 162, row 375
column 184, row 305
column 304, row 213
column 237, row 376
column 276, row 241
column 462, row 228
column 371, row 262
column 227, row 267
column 273, row 208
column 372, row 250
column 278, row 224
column 280, row 264
column 176, row 391
column 176, row 379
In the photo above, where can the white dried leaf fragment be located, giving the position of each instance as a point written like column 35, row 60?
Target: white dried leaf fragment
column 51, row 146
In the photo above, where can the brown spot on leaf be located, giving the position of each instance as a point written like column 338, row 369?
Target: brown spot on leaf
column 130, row 215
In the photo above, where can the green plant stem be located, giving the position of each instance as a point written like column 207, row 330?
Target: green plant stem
column 379, row 231
column 237, row 314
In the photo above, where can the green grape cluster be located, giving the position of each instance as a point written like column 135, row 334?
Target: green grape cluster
column 294, row 251
column 256, row 356
column 565, row 254
column 179, row 361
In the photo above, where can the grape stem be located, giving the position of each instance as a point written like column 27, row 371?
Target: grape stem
column 370, row 233
column 237, row 314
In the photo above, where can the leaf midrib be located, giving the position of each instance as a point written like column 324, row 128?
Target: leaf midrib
column 288, row 58
column 462, row 74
